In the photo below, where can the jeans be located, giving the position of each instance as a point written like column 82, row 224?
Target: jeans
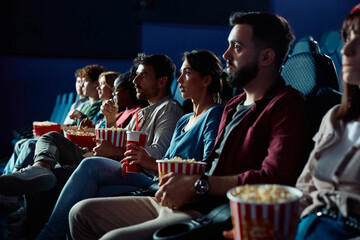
column 94, row 177
column 22, row 156
column 54, row 148
column 313, row 227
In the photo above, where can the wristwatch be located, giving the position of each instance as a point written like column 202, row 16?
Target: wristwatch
column 202, row 185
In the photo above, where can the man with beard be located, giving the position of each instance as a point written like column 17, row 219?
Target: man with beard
column 261, row 139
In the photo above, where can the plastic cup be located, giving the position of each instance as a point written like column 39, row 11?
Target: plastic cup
column 181, row 167
column 114, row 136
column 265, row 220
column 138, row 138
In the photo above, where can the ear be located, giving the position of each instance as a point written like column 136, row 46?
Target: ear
column 206, row 81
column 267, row 57
column 162, row 82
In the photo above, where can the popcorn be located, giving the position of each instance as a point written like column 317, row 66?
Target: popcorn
column 179, row 159
column 79, row 132
column 181, row 166
column 264, row 211
column 263, row 193
column 42, row 127
column 44, row 123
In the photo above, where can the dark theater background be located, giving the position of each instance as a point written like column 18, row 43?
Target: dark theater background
column 43, row 42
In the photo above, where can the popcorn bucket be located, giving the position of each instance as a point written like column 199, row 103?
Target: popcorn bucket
column 115, row 136
column 82, row 138
column 273, row 218
column 40, row 128
column 181, row 167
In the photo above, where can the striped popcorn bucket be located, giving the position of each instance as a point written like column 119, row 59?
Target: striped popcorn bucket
column 182, row 167
column 114, row 136
column 273, row 220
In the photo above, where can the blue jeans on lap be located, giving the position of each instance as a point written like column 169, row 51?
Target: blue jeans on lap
column 313, row 227
column 94, row 177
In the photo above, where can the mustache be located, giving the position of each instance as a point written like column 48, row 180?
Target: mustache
column 137, row 86
column 228, row 63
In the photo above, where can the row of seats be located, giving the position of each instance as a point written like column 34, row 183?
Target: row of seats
column 61, row 108
column 330, row 44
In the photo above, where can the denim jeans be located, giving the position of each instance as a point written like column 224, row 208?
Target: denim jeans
column 54, row 148
column 22, row 156
column 313, row 227
column 94, row 177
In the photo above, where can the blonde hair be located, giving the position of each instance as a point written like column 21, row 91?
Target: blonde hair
column 109, row 78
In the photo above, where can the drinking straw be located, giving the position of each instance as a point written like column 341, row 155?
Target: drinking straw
column 137, row 121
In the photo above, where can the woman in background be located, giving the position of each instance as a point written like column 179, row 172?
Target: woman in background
column 330, row 180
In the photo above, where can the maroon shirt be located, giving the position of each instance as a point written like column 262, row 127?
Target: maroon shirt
column 269, row 143
column 123, row 118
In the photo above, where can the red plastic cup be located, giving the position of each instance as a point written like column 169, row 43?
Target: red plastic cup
column 114, row 136
column 273, row 219
column 182, row 167
column 138, row 138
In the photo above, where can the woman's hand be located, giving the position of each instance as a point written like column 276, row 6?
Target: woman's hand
column 176, row 190
column 109, row 109
column 139, row 155
column 76, row 114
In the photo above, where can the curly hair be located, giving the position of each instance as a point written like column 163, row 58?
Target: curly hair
column 92, row 72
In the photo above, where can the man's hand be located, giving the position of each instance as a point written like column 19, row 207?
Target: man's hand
column 140, row 156
column 176, row 190
column 86, row 123
column 106, row 149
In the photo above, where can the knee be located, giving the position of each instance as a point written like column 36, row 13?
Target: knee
column 52, row 136
column 79, row 211
column 90, row 164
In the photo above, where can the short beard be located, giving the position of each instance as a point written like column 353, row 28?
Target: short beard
column 140, row 96
column 243, row 77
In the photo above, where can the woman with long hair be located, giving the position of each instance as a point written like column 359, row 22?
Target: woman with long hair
column 330, row 180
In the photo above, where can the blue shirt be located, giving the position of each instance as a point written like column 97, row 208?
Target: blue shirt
column 199, row 140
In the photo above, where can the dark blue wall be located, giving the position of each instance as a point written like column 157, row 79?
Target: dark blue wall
column 47, row 41
column 313, row 17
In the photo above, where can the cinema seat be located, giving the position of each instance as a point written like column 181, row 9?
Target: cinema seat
column 314, row 75
column 306, row 44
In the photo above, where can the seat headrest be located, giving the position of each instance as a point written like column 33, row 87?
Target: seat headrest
column 310, row 71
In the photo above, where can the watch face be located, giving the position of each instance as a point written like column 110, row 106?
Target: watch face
column 202, row 186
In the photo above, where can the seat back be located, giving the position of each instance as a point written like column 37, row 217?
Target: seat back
column 62, row 106
column 55, row 111
column 331, row 45
column 306, row 44
column 66, row 107
column 314, row 75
